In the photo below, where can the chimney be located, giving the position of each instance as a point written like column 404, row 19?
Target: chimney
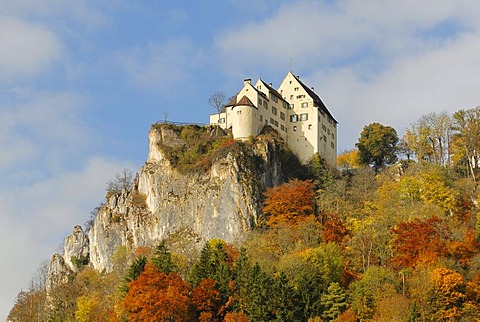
column 247, row 81
column 270, row 84
column 313, row 89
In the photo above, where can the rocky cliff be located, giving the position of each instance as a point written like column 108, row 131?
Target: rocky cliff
column 222, row 200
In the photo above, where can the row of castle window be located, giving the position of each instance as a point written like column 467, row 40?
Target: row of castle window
column 298, row 96
column 295, row 117
column 304, row 105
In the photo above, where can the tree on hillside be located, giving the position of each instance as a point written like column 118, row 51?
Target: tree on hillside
column 217, row 101
column 123, row 180
column 377, row 145
column 162, row 259
column 155, row 296
column 419, row 241
column 430, row 138
column 467, row 137
column 289, row 203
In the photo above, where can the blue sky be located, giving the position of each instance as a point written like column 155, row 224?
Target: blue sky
column 82, row 81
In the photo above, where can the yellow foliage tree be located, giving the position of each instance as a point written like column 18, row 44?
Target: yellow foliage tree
column 447, row 294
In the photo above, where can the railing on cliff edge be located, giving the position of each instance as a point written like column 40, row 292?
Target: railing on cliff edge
column 181, row 123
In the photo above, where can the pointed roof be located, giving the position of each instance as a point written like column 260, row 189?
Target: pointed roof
column 316, row 99
column 245, row 101
column 272, row 90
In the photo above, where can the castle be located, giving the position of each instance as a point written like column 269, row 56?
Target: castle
column 294, row 110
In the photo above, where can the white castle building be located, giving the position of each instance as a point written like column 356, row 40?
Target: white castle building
column 294, row 110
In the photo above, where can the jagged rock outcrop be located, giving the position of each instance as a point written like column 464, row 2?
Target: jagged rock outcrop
column 58, row 272
column 76, row 249
column 222, row 202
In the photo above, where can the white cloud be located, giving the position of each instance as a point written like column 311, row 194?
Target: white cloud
column 27, row 49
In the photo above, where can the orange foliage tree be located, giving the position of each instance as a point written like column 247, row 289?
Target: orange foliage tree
column 447, row 294
column 290, row 203
column 155, row 296
column 419, row 241
column 206, row 298
column 334, row 230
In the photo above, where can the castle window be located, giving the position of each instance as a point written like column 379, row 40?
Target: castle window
column 260, row 102
column 261, row 118
column 324, row 128
column 274, row 111
column 221, row 121
column 274, row 98
column 239, row 112
column 304, row 104
column 294, row 118
column 296, row 89
column 282, row 116
column 304, row 117
column 328, row 131
column 276, row 123
column 266, row 105
column 332, row 145
column 290, row 107
column 291, row 97
column 325, row 139
column 271, row 121
column 294, row 128
column 285, row 105
column 282, row 127
column 300, row 96
column 309, row 126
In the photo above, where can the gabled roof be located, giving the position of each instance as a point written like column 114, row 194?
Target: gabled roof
column 316, row 99
column 272, row 90
column 245, row 101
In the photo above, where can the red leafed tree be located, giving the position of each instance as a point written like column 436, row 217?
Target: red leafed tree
column 155, row 296
column 419, row 241
column 289, row 203
column 235, row 317
column 334, row 230
column 464, row 250
column 206, row 298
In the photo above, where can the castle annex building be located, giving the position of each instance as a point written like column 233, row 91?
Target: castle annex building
column 294, row 110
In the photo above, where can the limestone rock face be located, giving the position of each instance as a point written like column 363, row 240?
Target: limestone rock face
column 76, row 249
column 222, row 202
column 58, row 272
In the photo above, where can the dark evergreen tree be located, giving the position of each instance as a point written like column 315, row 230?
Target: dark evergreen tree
column 241, row 278
column 203, row 268
column 309, row 288
column 258, row 295
column 134, row 271
column 284, row 302
column 162, row 259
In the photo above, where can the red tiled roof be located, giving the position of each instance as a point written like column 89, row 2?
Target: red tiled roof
column 245, row 101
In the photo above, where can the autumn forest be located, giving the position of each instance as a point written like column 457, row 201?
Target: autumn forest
column 392, row 233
